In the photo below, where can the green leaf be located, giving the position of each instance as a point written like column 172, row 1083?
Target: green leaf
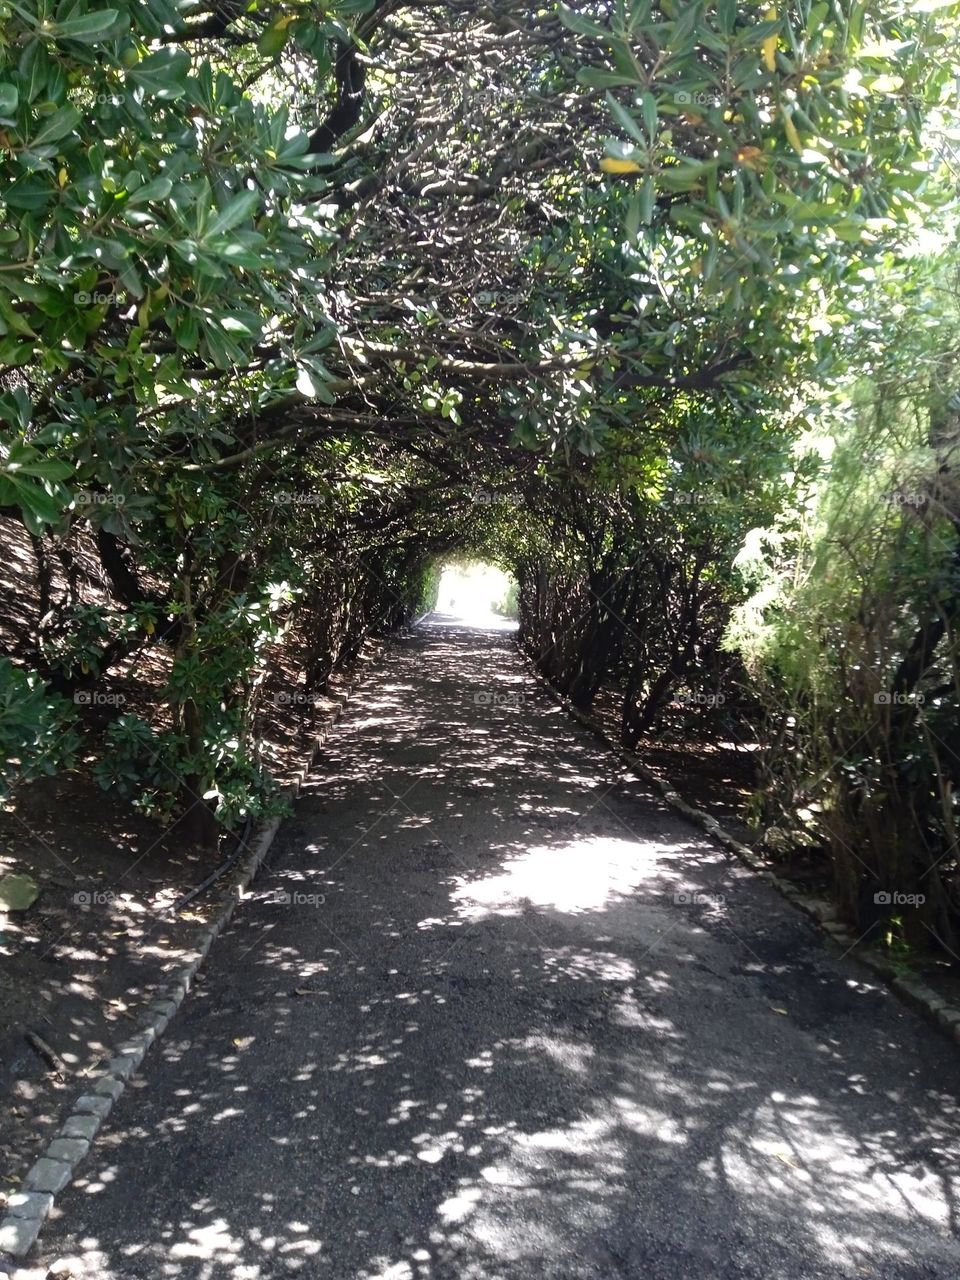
column 187, row 331
column 581, row 25
column 9, row 98
column 14, row 353
column 222, row 349
column 15, row 408
column 90, row 28
column 163, row 74
column 130, row 279
column 600, row 78
column 57, row 126
column 158, row 189
column 727, row 16
column 647, row 200
column 626, row 120
column 34, row 68
column 238, row 210
column 632, row 220
column 13, row 319
column 275, row 36
column 650, row 114
column 24, row 461
column 242, row 322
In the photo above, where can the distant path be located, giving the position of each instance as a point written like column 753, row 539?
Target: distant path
column 517, row 1056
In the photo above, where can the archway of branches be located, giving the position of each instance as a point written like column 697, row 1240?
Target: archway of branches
column 648, row 305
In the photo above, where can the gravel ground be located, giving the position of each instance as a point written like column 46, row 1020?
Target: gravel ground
column 494, row 1012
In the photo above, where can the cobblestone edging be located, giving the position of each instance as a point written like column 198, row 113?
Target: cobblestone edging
column 912, row 990
column 28, row 1208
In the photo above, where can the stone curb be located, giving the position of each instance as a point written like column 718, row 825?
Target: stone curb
column 28, row 1208
column 912, row 990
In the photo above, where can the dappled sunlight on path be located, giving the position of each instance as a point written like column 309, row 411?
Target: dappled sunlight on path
column 496, row 1013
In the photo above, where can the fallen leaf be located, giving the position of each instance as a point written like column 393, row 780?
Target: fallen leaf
column 786, row 1158
column 19, row 892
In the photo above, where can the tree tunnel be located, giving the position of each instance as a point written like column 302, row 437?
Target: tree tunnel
column 651, row 307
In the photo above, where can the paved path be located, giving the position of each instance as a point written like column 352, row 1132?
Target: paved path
column 520, row 1056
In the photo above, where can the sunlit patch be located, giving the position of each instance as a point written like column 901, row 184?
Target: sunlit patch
column 540, row 1196
column 431, row 1148
column 574, row 1057
column 308, row 1248
column 604, row 966
column 228, row 1113
column 650, row 1122
column 213, row 1241
column 390, row 1160
column 471, row 592
column 459, row 1207
column 586, row 875
column 386, row 1270
column 797, row 1153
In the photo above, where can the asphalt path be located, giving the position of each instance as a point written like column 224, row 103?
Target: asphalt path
column 493, row 1012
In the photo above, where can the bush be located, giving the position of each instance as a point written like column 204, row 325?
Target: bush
column 36, row 734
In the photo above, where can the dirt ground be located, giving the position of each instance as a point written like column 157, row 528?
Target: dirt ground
column 718, row 776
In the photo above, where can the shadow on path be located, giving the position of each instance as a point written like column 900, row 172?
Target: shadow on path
column 496, row 1012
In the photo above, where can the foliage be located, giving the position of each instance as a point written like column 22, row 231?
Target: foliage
column 289, row 312
column 508, row 605
column 426, row 598
column 849, row 633
column 36, row 734
column 144, row 767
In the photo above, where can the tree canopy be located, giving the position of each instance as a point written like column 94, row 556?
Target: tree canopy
column 295, row 298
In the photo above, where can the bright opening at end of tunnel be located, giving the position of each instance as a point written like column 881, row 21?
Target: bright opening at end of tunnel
column 477, row 592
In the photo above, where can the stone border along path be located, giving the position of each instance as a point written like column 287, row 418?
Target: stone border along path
column 28, row 1208
column 912, row 990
